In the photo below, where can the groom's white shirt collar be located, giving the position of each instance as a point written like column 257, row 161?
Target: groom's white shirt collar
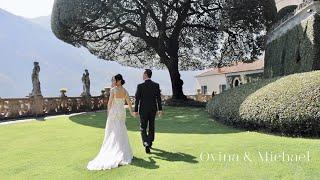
column 147, row 79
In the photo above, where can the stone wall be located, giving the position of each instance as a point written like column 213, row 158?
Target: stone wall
column 283, row 3
column 17, row 108
column 294, row 46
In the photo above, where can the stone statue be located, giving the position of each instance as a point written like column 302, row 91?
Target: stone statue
column 36, row 91
column 86, row 84
column 83, row 79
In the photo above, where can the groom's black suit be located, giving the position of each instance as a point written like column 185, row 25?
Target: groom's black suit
column 148, row 102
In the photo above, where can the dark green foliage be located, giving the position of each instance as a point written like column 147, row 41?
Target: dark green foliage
column 289, row 105
column 157, row 33
column 285, row 11
column 269, row 12
column 177, row 34
column 295, row 51
column 316, row 26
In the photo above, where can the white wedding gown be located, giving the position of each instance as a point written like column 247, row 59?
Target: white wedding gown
column 116, row 149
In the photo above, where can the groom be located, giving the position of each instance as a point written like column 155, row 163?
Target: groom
column 148, row 102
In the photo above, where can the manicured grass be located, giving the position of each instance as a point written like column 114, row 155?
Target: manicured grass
column 61, row 148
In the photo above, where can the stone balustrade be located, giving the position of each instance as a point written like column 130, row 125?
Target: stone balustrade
column 300, row 7
column 200, row 98
column 35, row 105
column 16, row 108
column 304, row 11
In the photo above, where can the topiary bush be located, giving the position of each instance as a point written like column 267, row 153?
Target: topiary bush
column 288, row 105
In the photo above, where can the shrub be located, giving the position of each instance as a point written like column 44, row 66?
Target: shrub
column 288, row 105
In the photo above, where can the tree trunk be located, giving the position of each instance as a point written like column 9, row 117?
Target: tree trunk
column 176, row 81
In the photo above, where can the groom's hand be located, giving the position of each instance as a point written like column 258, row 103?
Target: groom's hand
column 160, row 113
column 135, row 114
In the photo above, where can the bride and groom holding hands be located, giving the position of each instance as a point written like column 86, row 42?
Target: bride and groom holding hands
column 116, row 149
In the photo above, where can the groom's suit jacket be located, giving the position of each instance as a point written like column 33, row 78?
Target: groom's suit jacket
column 148, row 97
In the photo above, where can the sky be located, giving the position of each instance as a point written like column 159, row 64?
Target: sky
column 28, row 8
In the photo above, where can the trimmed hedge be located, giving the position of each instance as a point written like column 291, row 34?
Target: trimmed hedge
column 288, row 105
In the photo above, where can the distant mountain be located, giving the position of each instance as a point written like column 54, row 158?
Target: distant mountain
column 23, row 41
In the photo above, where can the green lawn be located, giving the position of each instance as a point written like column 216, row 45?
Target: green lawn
column 61, row 148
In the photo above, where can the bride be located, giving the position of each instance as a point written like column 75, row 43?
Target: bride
column 115, row 149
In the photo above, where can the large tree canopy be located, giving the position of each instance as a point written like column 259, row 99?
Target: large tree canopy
column 177, row 34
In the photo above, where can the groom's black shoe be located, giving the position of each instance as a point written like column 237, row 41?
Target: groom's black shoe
column 150, row 146
column 147, row 149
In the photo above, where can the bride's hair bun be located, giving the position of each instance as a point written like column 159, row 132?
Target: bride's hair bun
column 119, row 77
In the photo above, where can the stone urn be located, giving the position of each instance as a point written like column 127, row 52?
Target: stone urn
column 198, row 91
column 63, row 93
column 103, row 93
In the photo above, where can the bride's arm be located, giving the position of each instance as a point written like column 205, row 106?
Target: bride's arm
column 129, row 103
column 110, row 100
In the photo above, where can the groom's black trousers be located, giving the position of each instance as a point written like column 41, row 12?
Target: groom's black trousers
column 147, row 122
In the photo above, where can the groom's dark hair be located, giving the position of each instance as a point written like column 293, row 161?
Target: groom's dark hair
column 148, row 72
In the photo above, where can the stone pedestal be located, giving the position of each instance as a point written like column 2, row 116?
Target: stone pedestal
column 103, row 93
column 1, row 108
column 63, row 93
column 87, row 103
column 36, row 107
column 107, row 91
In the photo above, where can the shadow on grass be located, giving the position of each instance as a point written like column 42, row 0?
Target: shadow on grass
column 163, row 155
column 139, row 162
column 173, row 157
column 175, row 120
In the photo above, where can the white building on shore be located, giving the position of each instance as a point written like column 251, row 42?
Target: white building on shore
column 219, row 79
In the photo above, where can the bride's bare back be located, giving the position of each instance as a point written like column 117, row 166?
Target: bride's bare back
column 120, row 92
